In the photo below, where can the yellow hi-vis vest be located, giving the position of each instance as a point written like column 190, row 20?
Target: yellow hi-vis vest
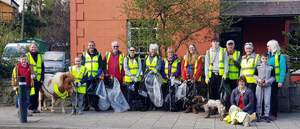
column 248, row 68
column 233, row 72
column 121, row 60
column 277, row 69
column 221, row 61
column 91, row 64
column 133, row 68
column 78, row 77
column 32, row 90
column 195, row 67
column 173, row 70
column 57, row 92
column 152, row 65
column 37, row 66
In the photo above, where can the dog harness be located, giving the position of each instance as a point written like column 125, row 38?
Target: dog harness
column 57, row 92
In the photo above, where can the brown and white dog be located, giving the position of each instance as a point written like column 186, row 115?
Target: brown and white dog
column 63, row 81
column 209, row 104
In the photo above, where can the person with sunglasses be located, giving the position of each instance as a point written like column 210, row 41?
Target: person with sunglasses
column 133, row 68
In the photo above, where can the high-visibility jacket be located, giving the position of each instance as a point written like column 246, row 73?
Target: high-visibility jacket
column 91, row 64
column 248, row 67
column 173, row 69
column 78, row 77
column 277, row 69
column 133, row 68
column 195, row 67
column 233, row 72
column 121, row 60
column 221, row 61
column 15, row 79
column 152, row 65
column 37, row 66
column 57, row 92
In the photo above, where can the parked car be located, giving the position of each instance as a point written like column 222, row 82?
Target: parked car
column 55, row 61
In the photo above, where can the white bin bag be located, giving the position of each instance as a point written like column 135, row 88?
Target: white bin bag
column 153, row 84
column 103, row 103
column 116, row 98
column 181, row 92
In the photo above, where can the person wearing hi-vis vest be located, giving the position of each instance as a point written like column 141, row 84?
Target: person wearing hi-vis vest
column 26, row 70
column 81, row 76
column 152, row 62
column 277, row 60
column 35, row 59
column 216, row 67
column 171, row 67
column 133, row 69
column 234, row 59
column 248, row 64
column 92, row 60
column 191, row 70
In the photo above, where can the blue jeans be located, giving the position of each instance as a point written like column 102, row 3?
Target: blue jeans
column 27, row 96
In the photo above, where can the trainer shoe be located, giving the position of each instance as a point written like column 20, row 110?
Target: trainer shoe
column 272, row 118
column 258, row 119
column 267, row 120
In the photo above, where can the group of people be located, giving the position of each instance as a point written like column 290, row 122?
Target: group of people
column 252, row 78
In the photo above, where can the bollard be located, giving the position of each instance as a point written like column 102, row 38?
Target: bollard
column 23, row 99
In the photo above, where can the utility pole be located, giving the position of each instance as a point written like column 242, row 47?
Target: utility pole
column 22, row 26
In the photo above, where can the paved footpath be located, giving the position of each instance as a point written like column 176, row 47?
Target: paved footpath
column 135, row 120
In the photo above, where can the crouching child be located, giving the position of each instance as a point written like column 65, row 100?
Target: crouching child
column 26, row 70
column 81, row 76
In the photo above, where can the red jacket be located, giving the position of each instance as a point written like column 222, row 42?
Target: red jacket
column 185, row 71
column 114, row 67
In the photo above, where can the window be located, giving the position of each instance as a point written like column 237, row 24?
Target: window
column 140, row 34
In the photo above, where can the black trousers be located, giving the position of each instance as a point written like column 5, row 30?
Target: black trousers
column 132, row 95
column 233, row 85
column 34, row 99
column 214, row 86
column 90, row 100
column 274, row 99
column 252, row 86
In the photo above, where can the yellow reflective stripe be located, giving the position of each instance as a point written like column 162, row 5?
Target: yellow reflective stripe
column 133, row 68
column 151, row 65
column 277, row 68
column 91, row 63
column 61, row 95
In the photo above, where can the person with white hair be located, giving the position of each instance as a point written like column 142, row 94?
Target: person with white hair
column 277, row 60
column 152, row 62
column 248, row 64
column 113, row 61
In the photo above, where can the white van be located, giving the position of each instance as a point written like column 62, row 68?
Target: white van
column 14, row 50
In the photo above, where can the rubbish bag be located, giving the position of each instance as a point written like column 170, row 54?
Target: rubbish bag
column 92, row 89
column 116, row 97
column 181, row 92
column 153, row 84
column 103, row 102
column 224, row 90
column 170, row 103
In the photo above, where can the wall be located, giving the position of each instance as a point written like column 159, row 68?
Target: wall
column 100, row 21
column 6, row 11
column 259, row 32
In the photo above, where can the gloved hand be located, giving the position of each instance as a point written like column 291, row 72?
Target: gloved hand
column 154, row 71
column 75, row 83
column 78, row 84
column 224, row 77
column 15, row 88
column 135, row 79
column 132, row 88
column 132, row 78
column 32, row 76
column 144, row 94
column 207, row 81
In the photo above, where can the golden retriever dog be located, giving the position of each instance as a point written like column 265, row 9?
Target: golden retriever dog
column 236, row 115
column 56, row 87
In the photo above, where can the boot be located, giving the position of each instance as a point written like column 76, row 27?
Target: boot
column 194, row 109
column 86, row 108
column 80, row 110
column 73, row 110
column 207, row 114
